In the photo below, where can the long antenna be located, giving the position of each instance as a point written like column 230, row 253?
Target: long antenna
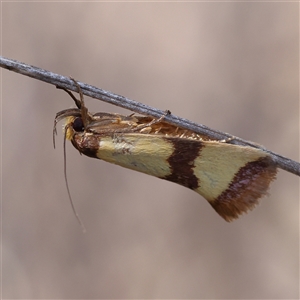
column 67, row 184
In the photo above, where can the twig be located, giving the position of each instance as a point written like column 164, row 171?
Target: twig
column 106, row 96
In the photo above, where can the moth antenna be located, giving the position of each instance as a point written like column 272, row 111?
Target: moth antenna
column 67, row 184
column 54, row 133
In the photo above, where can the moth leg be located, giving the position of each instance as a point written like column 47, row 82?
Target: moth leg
column 77, row 102
column 154, row 121
column 84, row 111
column 146, row 130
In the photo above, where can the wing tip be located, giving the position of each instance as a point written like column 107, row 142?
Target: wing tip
column 249, row 184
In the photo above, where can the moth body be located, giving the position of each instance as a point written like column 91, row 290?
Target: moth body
column 231, row 178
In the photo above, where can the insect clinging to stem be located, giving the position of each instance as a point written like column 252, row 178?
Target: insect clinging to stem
column 232, row 178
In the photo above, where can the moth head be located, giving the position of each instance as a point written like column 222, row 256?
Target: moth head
column 73, row 125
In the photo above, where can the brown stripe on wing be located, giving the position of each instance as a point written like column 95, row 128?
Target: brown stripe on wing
column 87, row 145
column 182, row 162
column 249, row 184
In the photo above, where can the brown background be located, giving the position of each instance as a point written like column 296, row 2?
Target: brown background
column 231, row 66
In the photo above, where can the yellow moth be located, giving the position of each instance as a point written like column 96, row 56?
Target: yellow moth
column 231, row 178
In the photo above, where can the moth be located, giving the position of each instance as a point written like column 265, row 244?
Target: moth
column 231, row 178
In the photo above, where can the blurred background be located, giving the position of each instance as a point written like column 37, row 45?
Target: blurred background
column 230, row 66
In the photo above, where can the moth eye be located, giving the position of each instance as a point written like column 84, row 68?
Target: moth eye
column 78, row 125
